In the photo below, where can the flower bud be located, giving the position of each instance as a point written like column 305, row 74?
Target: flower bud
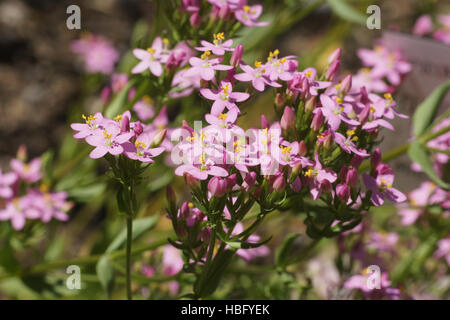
column 137, row 128
column 236, row 57
column 217, row 187
column 22, row 153
column 292, row 65
column 356, row 161
column 310, row 104
column 343, row 173
column 195, row 20
column 335, row 56
column 159, row 138
column 295, row 172
column 171, row 198
column 343, row 192
column 333, row 70
column 375, row 160
column 264, row 122
column 231, row 181
column 279, row 184
column 352, row 177
column 346, row 85
column 224, row 12
column 280, row 100
column 317, row 120
column 288, row 119
column 364, row 114
column 328, row 141
column 125, row 125
column 302, row 148
column 191, row 181
column 249, row 181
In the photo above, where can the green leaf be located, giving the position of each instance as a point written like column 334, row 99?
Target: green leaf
column 283, row 251
column 426, row 111
column 419, row 154
column 105, row 273
column 118, row 103
column 139, row 227
column 346, row 11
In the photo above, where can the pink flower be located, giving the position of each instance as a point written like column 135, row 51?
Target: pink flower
column 249, row 15
column 150, row 59
column 29, row 172
column 336, row 111
column 109, row 140
column 381, row 186
column 383, row 241
column 443, row 250
column 347, row 143
column 98, row 54
column 18, row 210
column 360, row 282
column 249, row 254
column 257, row 76
column 423, row 25
column 50, row 204
column 141, row 149
column 6, row 181
column 144, row 108
column 319, row 179
column 93, row 125
column 201, row 169
column 205, row 67
column 224, row 98
column 218, row 47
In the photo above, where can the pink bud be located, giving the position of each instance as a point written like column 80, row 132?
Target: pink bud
column 195, row 20
column 217, row 187
column 231, row 181
column 356, row 161
column 333, row 70
column 105, row 94
column 125, row 125
column 191, row 181
column 375, row 160
column 249, row 181
column 159, row 138
column 280, row 100
column 343, row 192
column 224, row 12
column 423, row 25
column 170, row 194
column 288, row 119
column 302, row 148
column 292, row 65
column 279, row 184
column 352, row 177
column 343, row 173
column 22, row 153
column 264, row 122
column 236, row 57
column 346, row 85
column 137, row 128
column 328, row 141
column 364, row 114
column 335, row 56
column 317, row 120
column 310, row 104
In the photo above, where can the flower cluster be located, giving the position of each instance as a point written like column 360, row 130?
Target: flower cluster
column 224, row 10
column 439, row 29
column 98, row 54
column 383, row 69
column 23, row 195
column 118, row 136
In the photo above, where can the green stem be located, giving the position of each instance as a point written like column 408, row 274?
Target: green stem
column 128, row 255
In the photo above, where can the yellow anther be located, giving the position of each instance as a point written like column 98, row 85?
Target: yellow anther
column 190, row 205
column 308, row 73
column 139, row 144
column 355, row 138
column 283, row 60
column 165, row 41
column 247, row 8
column 219, row 36
column 285, row 150
column 338, row 86
column 223, row 116
column 372, row 109
column 202, row 158
column 225, row 87
column 43, row 188
column 365, row 70
column 338, row 100
column 309, row 173
column 107, row 135
column 350, row 132
column 151, row 50
column 88, row 119
column 206, row 55
column 118, row 117
column 258, row 64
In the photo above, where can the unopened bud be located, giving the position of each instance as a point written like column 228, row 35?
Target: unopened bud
column 343, row 192
column 195, row 20
column 236, row 57
column 264, row 122
column 346, row 85
column 335, row 56
column 317, row 120
column 191, row 181
column 137, row 128
column 159, row 138
column 310, row 104
column 217, row 187
column 302, row 148
column 288, row 119
column 279, row 184
column 375, row 160
column 280, row 100
column 125, row 125
column 352, row 177
column 333, row 70
column 249, row 180
column 22, row 153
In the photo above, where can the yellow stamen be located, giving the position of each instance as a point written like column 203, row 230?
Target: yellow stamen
column 308, row 73
column 338, row 100
column 190, row 205
column 118, row 117
column 151, row 50
column 206, row 55
column 223, row 116
column 147, row 100
column 258, row 64
column 139, row 145
column 219, row 36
